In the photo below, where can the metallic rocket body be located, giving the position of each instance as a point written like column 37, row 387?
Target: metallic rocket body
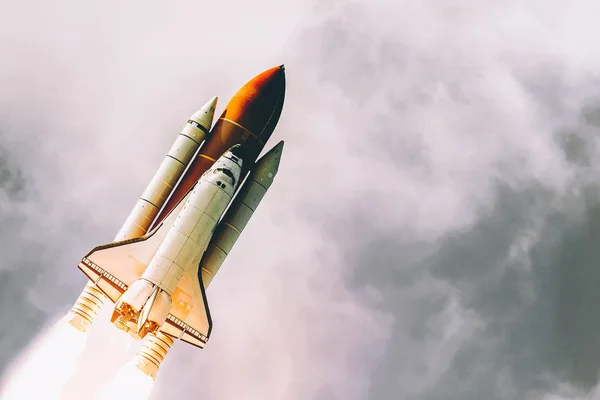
column 181, row 230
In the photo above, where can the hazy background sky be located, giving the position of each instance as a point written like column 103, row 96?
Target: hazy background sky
column 433, row 232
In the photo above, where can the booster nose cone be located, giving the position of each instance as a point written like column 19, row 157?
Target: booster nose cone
column 273, row 156
column 204, row 115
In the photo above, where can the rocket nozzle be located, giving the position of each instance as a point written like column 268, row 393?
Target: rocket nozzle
column 87, row 306
column 123, row 312
column 152, row 353
column 148, row 328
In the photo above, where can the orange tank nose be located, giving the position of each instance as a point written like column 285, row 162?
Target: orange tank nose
column 248, row 119
column 257, row 105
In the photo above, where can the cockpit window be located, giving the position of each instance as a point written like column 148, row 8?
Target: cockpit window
column 227, row 172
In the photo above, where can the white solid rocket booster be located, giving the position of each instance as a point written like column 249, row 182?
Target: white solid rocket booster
column 176, row 161
column 239, row 213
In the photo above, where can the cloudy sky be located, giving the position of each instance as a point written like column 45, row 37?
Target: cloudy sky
column 432, row 233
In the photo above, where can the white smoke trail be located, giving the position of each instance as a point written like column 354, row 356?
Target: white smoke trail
column 66, row 364
column 130, row 383
column 103, row 369
column 47, row 365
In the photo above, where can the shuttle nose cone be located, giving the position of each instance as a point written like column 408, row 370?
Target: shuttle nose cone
column 236, row 150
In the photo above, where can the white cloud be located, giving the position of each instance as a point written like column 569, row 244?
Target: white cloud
column 400, row 121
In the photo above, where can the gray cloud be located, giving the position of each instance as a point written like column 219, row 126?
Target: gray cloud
column 431, row 234
column 12, row 191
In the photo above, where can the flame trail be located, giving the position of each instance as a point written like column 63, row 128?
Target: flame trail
column 47, row 365
column 130, row 383
column 64, row 363
column 108, row 349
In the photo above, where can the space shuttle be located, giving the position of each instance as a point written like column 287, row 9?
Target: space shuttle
column 180, row 231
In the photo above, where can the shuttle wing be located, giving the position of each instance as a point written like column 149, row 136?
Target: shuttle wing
column 189, row 318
